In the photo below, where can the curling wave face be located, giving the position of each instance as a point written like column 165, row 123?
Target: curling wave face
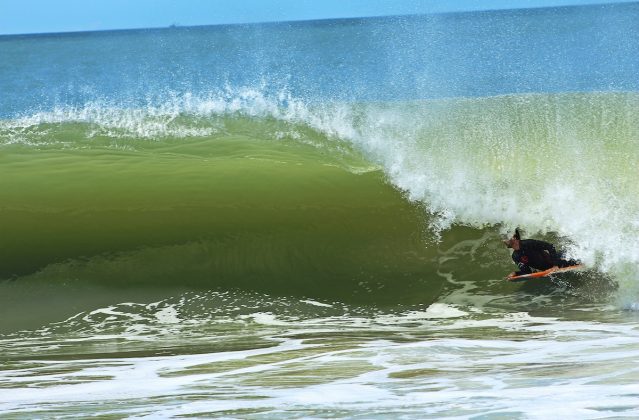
column 273, row 193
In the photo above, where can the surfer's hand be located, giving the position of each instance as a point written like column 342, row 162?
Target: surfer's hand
column 511, row 275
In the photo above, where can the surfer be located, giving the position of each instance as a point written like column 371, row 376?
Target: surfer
column 531, row 254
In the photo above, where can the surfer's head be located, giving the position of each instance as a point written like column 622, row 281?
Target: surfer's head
column 513, row 242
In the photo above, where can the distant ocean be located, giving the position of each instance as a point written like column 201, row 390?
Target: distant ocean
column 303, row 220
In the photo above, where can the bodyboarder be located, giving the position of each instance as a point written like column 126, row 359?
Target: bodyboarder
column 532, row 254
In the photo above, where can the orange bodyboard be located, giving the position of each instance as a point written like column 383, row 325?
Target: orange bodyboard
column 544, row 273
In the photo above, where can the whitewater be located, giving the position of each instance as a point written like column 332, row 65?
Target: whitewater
column 304, row 219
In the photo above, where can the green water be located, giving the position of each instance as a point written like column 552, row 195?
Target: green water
column 102, row 206
column 84, row 219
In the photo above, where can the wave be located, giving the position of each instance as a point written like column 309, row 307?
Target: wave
column 561, row 164
column 269, row 179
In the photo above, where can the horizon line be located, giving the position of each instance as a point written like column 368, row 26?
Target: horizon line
column 177, row 25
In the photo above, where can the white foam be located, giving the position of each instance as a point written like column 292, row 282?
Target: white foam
column 442, row 310
column 168, row 315
column 316, row 303
column 569, row 368
column 265, row 318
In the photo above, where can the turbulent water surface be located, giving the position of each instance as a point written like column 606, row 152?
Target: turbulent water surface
column 304, row 219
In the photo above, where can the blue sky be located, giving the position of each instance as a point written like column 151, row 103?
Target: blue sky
column 37, row 16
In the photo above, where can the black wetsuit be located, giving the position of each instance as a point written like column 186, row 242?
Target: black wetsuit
column 539, row 255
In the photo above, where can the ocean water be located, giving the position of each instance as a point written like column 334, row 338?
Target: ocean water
column 303, row 220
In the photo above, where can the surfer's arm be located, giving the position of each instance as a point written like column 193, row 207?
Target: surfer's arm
column 523, row 268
